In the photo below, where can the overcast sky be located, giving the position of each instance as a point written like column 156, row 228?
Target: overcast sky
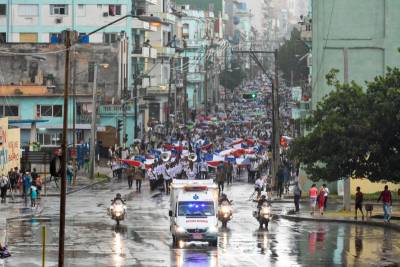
column 255, row 6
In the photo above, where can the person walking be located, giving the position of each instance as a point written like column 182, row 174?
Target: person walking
column 4, row 184
column 130, row 172
column 280, row 177
column 26, row 186
column 13, row 179
column 138, row 179
column 297, row 196
column 70, row 173
column 33, row 196
column 313, row 192
column 386, row 197
column 359, row 202
column 321, row 200
column 229, row 170
column 326, row 189
column 220, row 177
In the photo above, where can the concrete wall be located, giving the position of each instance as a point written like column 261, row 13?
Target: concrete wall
column 21, row 69
column 369, row 29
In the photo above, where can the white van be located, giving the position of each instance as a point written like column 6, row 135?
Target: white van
column 193, row 211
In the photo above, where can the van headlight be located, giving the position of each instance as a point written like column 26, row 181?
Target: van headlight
column 180, row 229
column 213, row 229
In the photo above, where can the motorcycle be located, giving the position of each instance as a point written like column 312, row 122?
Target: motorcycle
column 117, row 211
column 225, row 213
column 263, row 215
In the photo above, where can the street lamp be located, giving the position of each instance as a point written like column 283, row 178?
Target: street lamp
column 94, row 117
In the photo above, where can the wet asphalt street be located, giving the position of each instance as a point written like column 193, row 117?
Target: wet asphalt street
column 143, row 239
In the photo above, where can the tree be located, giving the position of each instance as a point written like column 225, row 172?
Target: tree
column 231, row 78
column 291, row 58
column 354, row 133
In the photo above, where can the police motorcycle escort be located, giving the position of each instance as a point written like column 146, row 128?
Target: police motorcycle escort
column 224, row 210
column 117, row 209
column 263, row 213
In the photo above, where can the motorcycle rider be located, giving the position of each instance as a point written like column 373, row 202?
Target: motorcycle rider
column 258, row 186
column 261, row 201
column 223, row 198
column 117, row 197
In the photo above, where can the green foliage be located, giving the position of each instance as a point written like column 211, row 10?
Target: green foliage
column 354, row 133
column 233, row 78
column 289, row 55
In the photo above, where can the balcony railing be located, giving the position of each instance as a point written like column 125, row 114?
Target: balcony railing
column 114, row 109
column 165, row 51
column 84, row 118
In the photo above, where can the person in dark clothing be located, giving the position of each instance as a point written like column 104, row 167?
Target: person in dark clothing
column 130, row 173
column 297, row 196
column 359, row 201
column 34, row 175
column 281, row 179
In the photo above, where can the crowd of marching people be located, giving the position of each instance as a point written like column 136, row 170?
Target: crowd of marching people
column 222, row 146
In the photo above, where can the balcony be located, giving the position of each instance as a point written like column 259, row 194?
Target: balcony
column 167, row 17
column 195, row 43
column 84, row 118
column 114, row 109
column 144, row 52
column 165, row 51
column 141, row 25
column 195, row 77
column 159, row 89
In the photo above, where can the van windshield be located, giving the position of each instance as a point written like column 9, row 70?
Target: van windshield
column 196, row 208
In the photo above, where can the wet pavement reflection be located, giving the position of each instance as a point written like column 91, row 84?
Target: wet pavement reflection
column 143, row 239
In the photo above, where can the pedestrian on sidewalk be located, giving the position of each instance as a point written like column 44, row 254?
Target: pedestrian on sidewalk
column 70, row 173
column 321, row 200
column 359, row 202
column 386, row 197
column 313, row 192
column 297, row 196
column 13, row 179
column 33, row 196
column 26, row 186
column 325, row 195
column 4, row 184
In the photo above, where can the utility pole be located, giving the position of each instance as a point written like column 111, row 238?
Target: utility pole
column 346, row 182
column 124, row 107
column 94, row 127
column 185, row 98
column 61, row 235
column 206, row 82
column 74, row 155
column 275, row 107
column 171, row 64
column 135, row 81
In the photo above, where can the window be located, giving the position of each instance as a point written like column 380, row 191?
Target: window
column 3, row 37
column 196, row 208
column 91, row 72
column 59, row 9
column 100, row 6
column 114, row 10
column 28, row 10
column 56, row 38
column 81, row 10
column 49, row 110
column 49, row 139
column 3, row 11
column 9, row 111
column 110, row 38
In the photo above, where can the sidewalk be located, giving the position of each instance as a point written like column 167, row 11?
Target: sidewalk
column 346, row 217
column 17, row 207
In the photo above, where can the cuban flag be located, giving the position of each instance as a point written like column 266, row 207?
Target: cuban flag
column 216, row 161
column 132, row 163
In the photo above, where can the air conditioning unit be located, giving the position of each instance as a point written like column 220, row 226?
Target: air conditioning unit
column 58, row 20
column 105, row 14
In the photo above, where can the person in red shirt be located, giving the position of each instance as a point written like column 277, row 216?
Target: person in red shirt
column 386, row 197
column 313, row 192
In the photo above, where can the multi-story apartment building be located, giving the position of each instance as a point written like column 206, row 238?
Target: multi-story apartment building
column 41, row 21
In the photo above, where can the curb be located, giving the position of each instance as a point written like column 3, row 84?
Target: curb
column 331, row 220
column 75, row 190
